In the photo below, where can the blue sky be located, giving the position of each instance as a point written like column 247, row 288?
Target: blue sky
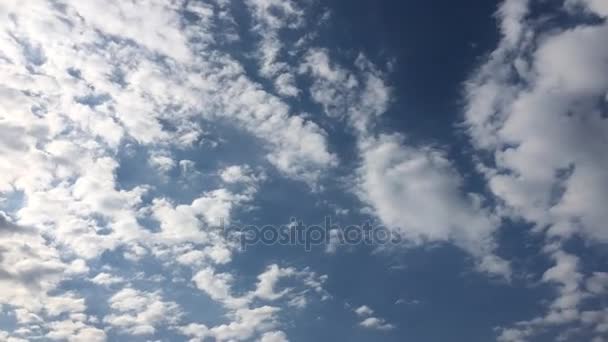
column 154, row 154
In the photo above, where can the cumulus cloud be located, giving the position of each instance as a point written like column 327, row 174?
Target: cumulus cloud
column 271, row 19
column 86, row 88
column 356, row 96
column 413, row 190
column 417, row 192
column 249, row 320
column 106, row 279
column 93, row 91
column 537, row 107
column 274, row 336
column 139, row 313
column 569, row 308
column 364, row 310
column 369, row 321
column 546, row 132
column 376, row 324
column 74, row 331
column 246, row 323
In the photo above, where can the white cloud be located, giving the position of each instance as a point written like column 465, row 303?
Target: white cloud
column 267, row 282
column 162, row 162
column 567, row 309
column 106, row 279
column 247, row 320
column 274, row 336
column 537, row 107
column 364, row 310
column 598, row 283
column 81, row 80
column 8, row 338
column 270, row 19
column 199, row 221
column 376, row 324
column 31, row 269
column 75, row 331
column 243, row 175
column 236, row 173
column 359, row 96
column 414, row 190
column 246, row 324
column 547, row 132
column 285, row 84
column 82, row 83
column 418, row 193
column 139, row 313
column 219, row 285
column 369, row 321
column 155, row 26
column 216, row 285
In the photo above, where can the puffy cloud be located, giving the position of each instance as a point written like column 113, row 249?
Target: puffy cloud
column 128, row 78
column 369, row 321
column 89, row 87
column 162, row 163
column 74, row 331
column 364, row 310
column 536, row 112
column 243, row 175
column 546, row 133
column 106, row 279
column 7, row 227
column 246, row 320
column 413, row 190
column 268, row 280
column 270, row 19
column 568, row 308
column 418, row 193
column 197, row 332
column 32, row 268
column 139, row 313
column 598, row 283
column 85, row 82
column 376, row 324
column 274, row 336
column 216, row 285
column 154, row 26
column 236, row 173
column 358, row 96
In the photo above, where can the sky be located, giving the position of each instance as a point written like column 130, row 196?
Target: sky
column 281, row 170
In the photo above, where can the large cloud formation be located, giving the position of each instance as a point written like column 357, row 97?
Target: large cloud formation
column 537, row 113
column 105, row 106
column 87, row 85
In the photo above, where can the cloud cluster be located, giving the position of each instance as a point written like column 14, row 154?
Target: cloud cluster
column 103, row 103
column 536, row 112
column 369, row 321
column 546, row 132
column 88, row 85
column 248, row 318
column 413, row 189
